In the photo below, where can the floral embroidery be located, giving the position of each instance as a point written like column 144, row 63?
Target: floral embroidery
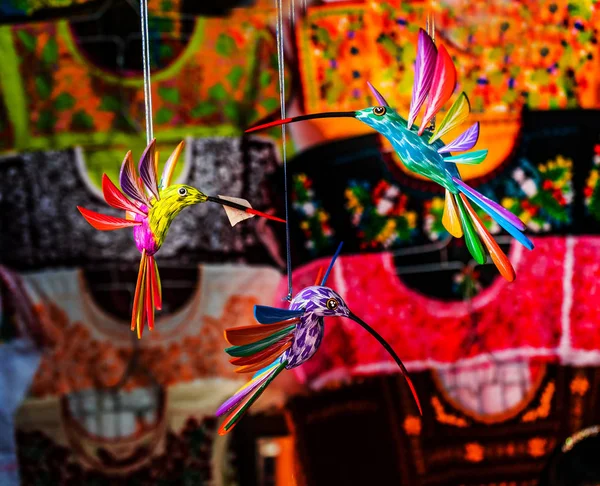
column 380, row 214
column 412, row 425
column 66, row 95
column 186, row 459
column 474, row 452
column 337, row 45
column 544, row 195
column 543, row 410
column 314, row 220
column 192, row 357
column 432, row 218
column 592, row 188
column 446, row 418
column 499, row 71
column 536, row 447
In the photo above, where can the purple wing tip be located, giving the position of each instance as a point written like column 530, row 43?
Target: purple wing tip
column 466, row 141
column 380, row 99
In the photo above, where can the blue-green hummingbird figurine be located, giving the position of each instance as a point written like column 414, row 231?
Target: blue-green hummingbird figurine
column 422, row 151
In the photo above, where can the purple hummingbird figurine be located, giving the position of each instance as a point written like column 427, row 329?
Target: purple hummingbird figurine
column 284, row 339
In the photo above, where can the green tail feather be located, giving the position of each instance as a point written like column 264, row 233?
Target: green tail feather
column 471, row 238
column 250, row 349
column 239, row 413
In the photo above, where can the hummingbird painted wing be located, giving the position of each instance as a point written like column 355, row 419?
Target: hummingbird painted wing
column 150, row 206
column 422, row 151
column 285, row 339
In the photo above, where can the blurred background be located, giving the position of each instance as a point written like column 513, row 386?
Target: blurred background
column 506, row 372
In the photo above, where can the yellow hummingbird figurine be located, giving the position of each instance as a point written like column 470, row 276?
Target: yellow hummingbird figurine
column 150, row 211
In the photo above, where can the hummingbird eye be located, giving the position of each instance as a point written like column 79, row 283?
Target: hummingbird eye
column 182, row 191
column 379, row 110
column 332, row 304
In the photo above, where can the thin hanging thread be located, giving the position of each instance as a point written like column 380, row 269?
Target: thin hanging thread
column 280, row 67
column 146, row 63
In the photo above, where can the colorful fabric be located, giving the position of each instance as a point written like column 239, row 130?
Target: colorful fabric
column 515, row 61
column 41, row 192
column 546, row 180
column 161, row 425
column 56, row 98
column 426, row 331
column 24, row 8
column 451, row 444
column 21, row 347
column 186, row 345
column 186, row 459
column 159, row 11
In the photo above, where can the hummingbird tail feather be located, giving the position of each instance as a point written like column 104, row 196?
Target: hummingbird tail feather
column 149, row 298
column 450, row 218
column 508, row 221
column 156, row 285
column 498, row 256
column 247, row 395
column 138, row 298
column 473, row 225
column 471, row 239
column 259, row 364
column 148, row 295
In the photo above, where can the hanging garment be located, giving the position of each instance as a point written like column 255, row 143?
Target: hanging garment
column 430, row 332
column 40, row 192
column 543, row 64
column 23, row 339
column 348, row 191
column 372, row 420
column 92, row 412
column 216, row 80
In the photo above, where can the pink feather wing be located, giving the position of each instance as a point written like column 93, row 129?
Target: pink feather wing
column 424, row 71
column 104, row 222
column 116, row 199
column 442, row 86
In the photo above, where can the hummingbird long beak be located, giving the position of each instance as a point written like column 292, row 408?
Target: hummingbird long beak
column 393, row 354
column 285, row 121
column 246, row 209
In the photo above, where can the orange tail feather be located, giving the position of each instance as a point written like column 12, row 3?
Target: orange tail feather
column 149, row 297
column 498, row 257
column 138, row 288
column 156, row 287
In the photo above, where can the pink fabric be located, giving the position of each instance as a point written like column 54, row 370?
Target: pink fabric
column 585, row 311
column 524, row 315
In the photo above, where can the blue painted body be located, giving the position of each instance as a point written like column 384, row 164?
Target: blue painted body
column 414, row 150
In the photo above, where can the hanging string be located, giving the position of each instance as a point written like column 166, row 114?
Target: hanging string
column 280, row 68
column 146, row 62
